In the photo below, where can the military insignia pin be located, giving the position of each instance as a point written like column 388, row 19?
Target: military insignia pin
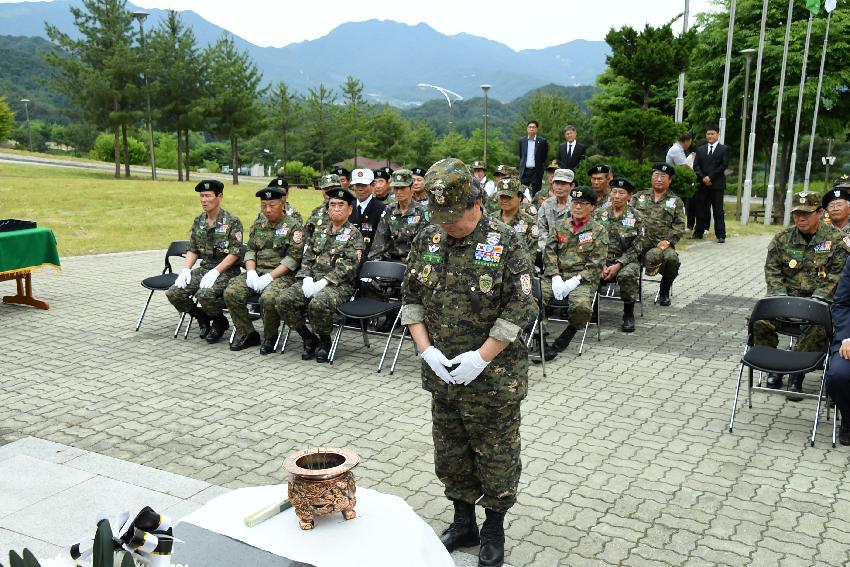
column 485, row 283
column 426, row 271
column 792, row 264
column 525, row 283
column 435, row 239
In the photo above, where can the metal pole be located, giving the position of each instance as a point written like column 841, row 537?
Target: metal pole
column 485, row 88
column 27, row 112
column 680, row 98
column 828, row 162
column 817, row 105
column 751, row 150
column 729, row 35
column 789, row 192
column 768, row 206
column 140, row 16
column 748, row 54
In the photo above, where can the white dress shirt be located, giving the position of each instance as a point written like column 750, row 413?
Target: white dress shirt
column 529, row 153
column 363, row 204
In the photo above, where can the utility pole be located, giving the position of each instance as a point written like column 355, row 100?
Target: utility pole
column 140, row 16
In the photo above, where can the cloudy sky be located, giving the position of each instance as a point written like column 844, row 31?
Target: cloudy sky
column 517, row 24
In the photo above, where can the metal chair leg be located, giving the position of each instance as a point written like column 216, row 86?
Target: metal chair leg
column 735, row 401
column 188, row 327
column 389, row 339
column 364, row 333
column 335, row 342
column 820, row 398
column 180, row 323
column 587, row 325
column 542, row 348
column 750, row 389
column 398, row 350
column 277, row 340
column 145, row 310
column 835, row 426
column 285, row 339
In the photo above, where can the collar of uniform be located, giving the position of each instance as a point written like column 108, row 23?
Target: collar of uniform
column 664, row 196
column 365, row 203
column 329, row 228
column 220, row 219
column 578, row 227
column 477, row 235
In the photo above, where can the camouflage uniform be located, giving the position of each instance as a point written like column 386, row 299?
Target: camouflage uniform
column 396, row 231
column 664, row 219
column 525, row 226
column 625, row 244
column 335, row 257
column 548, row 218
column 800, row 269
column 318, row 218
column 270, row 245
column 212, row 245
column 569, row 253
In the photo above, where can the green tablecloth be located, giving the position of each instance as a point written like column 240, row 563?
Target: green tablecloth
column 31, row 248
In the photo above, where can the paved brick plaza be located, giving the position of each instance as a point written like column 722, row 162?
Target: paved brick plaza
column 626, row 455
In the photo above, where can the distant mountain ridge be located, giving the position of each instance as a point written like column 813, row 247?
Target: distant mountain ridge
column 418, row 54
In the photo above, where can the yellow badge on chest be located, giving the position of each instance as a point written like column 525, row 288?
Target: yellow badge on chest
column 435, row 239
column 485, row 283
column 426, row 271
column 792, row 264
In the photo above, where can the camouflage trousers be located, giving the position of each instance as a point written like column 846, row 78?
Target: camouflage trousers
column 293, row 306
column 210, row 300
column 665, row 262
column 628, row 279
column 477, row 451
column 236, row 298
column 580, row 301
column 812, row 339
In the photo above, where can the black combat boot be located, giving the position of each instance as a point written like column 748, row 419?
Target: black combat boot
column 774, row 381
column 241, row 342
column 492, row 552
column 628, row 318
column 203, row 320
column 311, row 342
column 664, row 293
column 324, row 351
column 268, row 345
column 219, row 326
column 795, row 384
column 563, row 340
column 463, row 531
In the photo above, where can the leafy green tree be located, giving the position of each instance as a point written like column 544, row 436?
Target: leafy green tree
column 7, row 119
column 637, row 133
column 353, row 113
column 321, row 119
column 287, row 116
column 420, row 142
column 553, row 112
column 233, row 92
column 387, row 134
column 452, row 144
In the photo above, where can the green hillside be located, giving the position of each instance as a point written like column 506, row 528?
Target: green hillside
column 23, row 74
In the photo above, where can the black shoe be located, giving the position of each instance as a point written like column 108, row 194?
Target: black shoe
column 492, row 552
column 696, row 236
column 844, row 434
column 463, row 531
column 324, row 350
column 268, row 345
column 563, row 340
column 664, row 293
column 241, row 342
column 721, row 240
column 628, row 318
column 202, row 319
column 219, row 326
column 795, row 384
column 774, row 381
column 311, row 343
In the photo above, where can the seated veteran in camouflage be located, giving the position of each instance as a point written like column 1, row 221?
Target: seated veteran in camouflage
column 319, row 216
column 216, row 240
column 467, row 299
column 400, row 222
column 557, row 207
column 804, row 260
column 546, row 190
column 509, row 193
column 625, row 244
column 664, row 221
column 343, row 176
column 328, row 273
column 600, row 180
column 572, row 263
column 272, row 256
column 479, row 171
column 837, row 205
column 381, row 185
column 280, row 183
column 419, row 194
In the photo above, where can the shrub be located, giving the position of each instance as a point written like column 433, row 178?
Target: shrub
column 104, row 149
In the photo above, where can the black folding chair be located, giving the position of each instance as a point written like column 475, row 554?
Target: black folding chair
column 611, row 290
column 594, row 317
column 362, row 308
column 164, row 280
column 765, row 359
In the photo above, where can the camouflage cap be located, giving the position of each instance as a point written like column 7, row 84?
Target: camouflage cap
column 553, row 165
column 843, row 181
column 565, row 175
column 583, row 193
column 402, row 178
column 448, row 184
column 328, row 181
column 502, row 169
column 478, row 164
column 213, row 185
column 835, row 194
column 509, row 187
column 806, row 202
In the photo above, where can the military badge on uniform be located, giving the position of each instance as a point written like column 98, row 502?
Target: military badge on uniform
column 792, row 263
column 485, row 283
column 426, row 271
column 532, row 209
column 822, row 272
column 535, row 230
column 238, row 235
column 436, row 238
column 671, row 202
column 525, row 283
column 433, row 248
column 297, row 236
column 493, row 238
column 802, row 198
column 585, row 238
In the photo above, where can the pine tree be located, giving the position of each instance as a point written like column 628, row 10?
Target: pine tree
column 287, row 116
column 320, row 119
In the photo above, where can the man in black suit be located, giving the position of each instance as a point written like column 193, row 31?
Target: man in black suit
column 532, row 163
column 571, row 152
column 710, row 165
column 366, row 213
column 838, row 376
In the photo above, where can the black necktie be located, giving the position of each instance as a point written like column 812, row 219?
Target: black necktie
column 710, row 150
column 569, row 151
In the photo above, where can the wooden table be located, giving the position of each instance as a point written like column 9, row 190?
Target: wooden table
column 22, row 251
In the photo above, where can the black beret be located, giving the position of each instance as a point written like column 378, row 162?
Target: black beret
column 837, row 193
column 340, row 193
column 279, row 183
column 599, row 168
column 420, row 171
column 384, row 173
column 270, row 193
column 342, row 172
column 664, row 168
column 583, row 193
column 623, row 183
column 213, row 185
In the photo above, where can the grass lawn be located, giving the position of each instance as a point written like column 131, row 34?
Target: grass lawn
column 92, row 212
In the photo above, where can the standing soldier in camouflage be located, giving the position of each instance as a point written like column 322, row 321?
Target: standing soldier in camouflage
column 664, row 221
column 343, row 176
column 328, row 273
column 272, row 256
column 804, row 260
column 600, row 180
column 625, row 244
column 381, row 185
column 401, row 221
column 216, row 240
column 572, row 263
column 509, row 193
column 419, row 194
column 837, row 205
column 546, row 191
column 467, row 295
column 280, row 183
column 319, row 216
column 556, row 208
column 479, row 171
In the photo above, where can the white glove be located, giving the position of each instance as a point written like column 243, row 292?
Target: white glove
column 319, row 285
column 558, row 287
column 262, row 282
column 471, row 365
column 251, row 279
column 209, row 279
column 183, row 279
column 571, row 284
column 438, row 363
column 307, row 287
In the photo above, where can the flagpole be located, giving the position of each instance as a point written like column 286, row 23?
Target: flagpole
column 768, row 207
column 751, row 150
column 729, row 35
column 817, row 104
column 789, row 192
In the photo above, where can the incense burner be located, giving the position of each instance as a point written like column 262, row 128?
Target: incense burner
column 321, row 483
